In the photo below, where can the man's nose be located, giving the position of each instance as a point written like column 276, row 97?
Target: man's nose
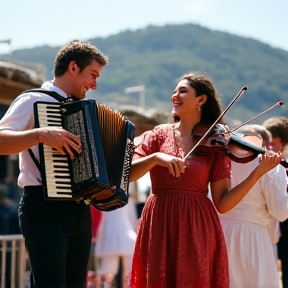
column 94, row 85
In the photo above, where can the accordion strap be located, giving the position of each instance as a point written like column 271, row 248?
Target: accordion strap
column 53, row 94
column 35, row 160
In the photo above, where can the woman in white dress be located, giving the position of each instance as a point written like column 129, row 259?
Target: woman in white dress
column 115, row 241
column 250, row 250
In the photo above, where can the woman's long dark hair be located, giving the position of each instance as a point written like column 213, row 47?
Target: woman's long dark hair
column 211, row 109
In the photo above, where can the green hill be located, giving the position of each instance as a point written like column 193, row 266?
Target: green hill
column 157, row 56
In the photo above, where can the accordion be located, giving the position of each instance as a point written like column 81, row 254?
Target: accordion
column 100, row 174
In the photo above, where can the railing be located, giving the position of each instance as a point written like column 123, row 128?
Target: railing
column 13, row 261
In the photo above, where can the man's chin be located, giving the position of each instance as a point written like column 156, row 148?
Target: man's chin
column 83, row 95
column 78, row 97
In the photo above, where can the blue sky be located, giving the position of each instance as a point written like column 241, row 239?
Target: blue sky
column 30, row 23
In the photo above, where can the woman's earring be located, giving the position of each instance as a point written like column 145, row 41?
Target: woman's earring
column 198, row 108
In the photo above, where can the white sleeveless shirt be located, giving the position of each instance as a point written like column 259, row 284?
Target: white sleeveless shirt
column 20, row 117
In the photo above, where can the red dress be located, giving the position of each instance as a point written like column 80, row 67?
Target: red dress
column 180, row 243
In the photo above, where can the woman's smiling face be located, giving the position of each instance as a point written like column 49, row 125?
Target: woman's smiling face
column 184, row 100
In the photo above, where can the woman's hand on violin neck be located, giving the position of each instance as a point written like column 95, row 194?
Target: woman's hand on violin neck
column 175, row 165
column 269, row 161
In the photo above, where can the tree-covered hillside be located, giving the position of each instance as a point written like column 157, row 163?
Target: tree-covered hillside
column 157, row 56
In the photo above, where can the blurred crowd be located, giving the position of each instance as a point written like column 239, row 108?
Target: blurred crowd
column 114, row 235
column 9, row 200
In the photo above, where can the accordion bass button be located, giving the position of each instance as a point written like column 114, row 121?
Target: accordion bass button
column 87, row 201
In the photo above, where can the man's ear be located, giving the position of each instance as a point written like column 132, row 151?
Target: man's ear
column 72, row 66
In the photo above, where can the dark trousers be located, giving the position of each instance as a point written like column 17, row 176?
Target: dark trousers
column 283, row 256
column 58, row 239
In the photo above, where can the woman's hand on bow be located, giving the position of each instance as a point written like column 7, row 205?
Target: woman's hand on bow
column 175, row 165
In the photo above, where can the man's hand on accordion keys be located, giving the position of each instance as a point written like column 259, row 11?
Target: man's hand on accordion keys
column 62, row 140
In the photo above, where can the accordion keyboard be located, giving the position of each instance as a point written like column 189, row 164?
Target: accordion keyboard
column 56, row 165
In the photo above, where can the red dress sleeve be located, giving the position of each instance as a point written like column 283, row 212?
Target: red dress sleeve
column 221, row 167
column 148, row 144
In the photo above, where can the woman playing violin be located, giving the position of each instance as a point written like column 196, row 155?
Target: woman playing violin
column 180, row 241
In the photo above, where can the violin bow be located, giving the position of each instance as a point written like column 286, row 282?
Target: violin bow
column 240, row 93
column 280, row 103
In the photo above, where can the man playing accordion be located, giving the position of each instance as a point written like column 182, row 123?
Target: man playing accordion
column 57, row 233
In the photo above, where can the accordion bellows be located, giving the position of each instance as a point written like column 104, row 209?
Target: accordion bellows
column 100, row 174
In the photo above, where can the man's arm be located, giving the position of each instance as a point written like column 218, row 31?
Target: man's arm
column 13, row 142
column 274, row 185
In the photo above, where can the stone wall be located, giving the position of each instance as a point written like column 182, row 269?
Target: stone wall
column 145, row 120
column 14, row 79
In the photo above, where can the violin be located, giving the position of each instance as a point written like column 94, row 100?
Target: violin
column 240, row 148
column 220, row 137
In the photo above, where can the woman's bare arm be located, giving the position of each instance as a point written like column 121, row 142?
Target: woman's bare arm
column 142, row 165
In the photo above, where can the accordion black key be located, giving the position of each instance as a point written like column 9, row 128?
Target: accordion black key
column 100, row 174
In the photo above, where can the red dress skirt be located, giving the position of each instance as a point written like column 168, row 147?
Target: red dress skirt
column 180, row 243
